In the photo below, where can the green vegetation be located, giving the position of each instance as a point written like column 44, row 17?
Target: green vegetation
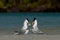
column 24, row 5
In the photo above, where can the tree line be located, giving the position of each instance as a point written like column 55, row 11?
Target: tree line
column 29, row 5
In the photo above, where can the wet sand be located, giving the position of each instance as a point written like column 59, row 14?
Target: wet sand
column 30, row 37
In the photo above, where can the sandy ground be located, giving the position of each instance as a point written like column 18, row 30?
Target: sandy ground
column 30, row 37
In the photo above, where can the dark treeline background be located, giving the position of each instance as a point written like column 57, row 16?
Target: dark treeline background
column 29, row 5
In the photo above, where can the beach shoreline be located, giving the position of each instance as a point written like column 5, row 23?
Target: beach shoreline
column 30, row 37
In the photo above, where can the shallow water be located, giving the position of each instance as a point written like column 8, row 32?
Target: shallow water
column 9, row 21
